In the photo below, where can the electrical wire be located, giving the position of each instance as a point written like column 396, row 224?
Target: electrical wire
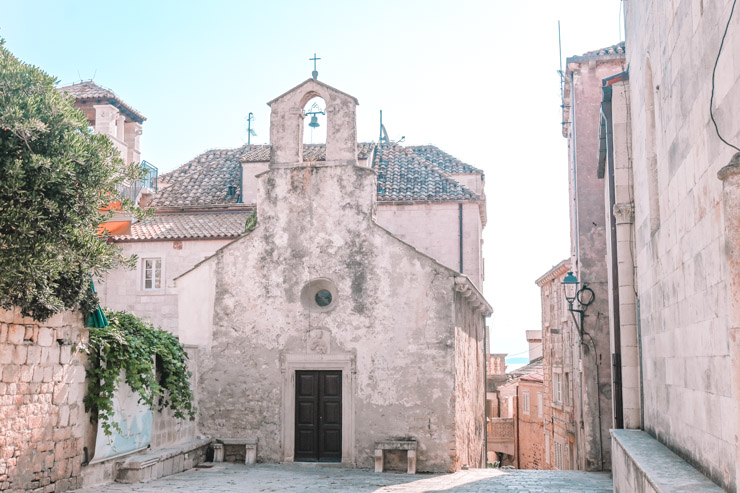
column 714, row 72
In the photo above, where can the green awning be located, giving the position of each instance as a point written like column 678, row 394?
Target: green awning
column 96, row 318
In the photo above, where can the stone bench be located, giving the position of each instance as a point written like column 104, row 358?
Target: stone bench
column 642, row 463
column 408, row 445
column 250, row 449
column 154, row 464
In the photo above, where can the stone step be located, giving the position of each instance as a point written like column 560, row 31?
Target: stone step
column 154, row 464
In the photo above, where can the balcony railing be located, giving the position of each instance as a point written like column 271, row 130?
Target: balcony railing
column 131, row 191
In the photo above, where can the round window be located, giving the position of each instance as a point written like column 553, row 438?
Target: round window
column 323, row 298
column 319, row 295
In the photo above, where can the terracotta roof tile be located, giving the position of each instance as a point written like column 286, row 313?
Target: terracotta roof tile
column 403, row 175
column 446, row 162
column 534, row 368
column 88, row 89
column 177, row 226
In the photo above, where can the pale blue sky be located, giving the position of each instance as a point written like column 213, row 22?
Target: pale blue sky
column 477, row 79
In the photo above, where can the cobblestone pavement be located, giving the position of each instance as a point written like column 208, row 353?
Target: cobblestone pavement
column 317, row 479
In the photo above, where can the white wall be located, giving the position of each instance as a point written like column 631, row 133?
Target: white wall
column 123, row 289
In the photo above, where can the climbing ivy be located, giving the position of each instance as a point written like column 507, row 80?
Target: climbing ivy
column 251, row 222
column 153, row 363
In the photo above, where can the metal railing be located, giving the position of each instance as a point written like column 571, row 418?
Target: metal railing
column 131, row 191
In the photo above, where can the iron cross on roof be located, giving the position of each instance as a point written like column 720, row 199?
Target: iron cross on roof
column 315, row 73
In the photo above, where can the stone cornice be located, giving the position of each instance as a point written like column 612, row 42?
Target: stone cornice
column 471, row 294
column 624, row 212
column 732, row 169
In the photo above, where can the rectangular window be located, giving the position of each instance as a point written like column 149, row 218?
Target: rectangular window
column 566, row 390
column 539, row 404
column 557, row 388
column 525, row 402
column 558, row 455
column 152, row 273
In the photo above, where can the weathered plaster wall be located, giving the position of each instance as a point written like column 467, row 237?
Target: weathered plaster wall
column 682, row 274
column 41, row 412
column 434, row 230
column 394, row 318
column 122, row 289
column 469, row 385
column 588, row 242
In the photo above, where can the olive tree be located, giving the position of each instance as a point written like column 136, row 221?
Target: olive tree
column 56, row 179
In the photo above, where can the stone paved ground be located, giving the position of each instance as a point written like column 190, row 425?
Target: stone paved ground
column 317, row 479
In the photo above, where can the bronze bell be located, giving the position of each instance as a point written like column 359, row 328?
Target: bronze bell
column 314, row 122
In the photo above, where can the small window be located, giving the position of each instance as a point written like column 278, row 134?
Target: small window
column 558, row 455
column 539, row 404
column 557, row 388
column 525, row 402
column 152, row 273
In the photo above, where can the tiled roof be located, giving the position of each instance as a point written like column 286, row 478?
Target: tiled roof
column 403, row 175
column 179, row 226
column 534, row 368
column 614, row 50
column 205, row 180
column 441, row 159
column 88, row 89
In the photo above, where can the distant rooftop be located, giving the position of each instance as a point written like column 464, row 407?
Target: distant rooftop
column 615, row 51
column 407, row 174
column 88, row 90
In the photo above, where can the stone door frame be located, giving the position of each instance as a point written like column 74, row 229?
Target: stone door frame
column 347, row 364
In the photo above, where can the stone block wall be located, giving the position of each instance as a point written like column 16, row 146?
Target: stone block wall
column 682, row 274
column 41, row 411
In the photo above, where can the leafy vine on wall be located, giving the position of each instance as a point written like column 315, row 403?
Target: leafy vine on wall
column 153, row 363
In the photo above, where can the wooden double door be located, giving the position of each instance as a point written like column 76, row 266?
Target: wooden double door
column 318, row 416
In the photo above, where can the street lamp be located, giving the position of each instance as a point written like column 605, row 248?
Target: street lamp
column 584, row 296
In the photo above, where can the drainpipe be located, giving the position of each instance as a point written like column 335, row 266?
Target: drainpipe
column 618, row 405
column 460, row 221
column 485, row 393
column 516, row 427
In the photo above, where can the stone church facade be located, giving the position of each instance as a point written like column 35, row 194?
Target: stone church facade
column 320, row 332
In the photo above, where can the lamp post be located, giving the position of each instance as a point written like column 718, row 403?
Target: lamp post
column 584, row 296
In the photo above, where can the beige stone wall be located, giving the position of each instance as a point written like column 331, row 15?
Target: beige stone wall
column 41, row 410
column 588, row 246
column 531, row 429
column 122, row 289
column 680, row 247
column 562, row 357
column 434, row 230
column 393, row 323
column 469, row 385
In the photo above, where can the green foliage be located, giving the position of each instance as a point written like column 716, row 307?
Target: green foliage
column 130, row 345
column 55, row 176
column 251, row 222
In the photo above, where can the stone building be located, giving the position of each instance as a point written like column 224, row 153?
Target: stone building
column 109, row 115
column 581, row 105
column 564, row 436
column 518, row 432
column 320, row 332
column 672, row 201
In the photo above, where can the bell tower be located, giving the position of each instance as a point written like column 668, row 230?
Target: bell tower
column 286, row 124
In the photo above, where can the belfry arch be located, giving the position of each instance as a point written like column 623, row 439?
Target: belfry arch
column 287, row 122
